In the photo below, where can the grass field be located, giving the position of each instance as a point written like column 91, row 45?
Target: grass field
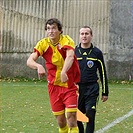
column 25, row 108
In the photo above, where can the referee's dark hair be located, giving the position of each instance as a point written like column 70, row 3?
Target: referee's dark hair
column 89, row 28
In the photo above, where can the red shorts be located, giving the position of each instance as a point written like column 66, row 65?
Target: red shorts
column 62, row 98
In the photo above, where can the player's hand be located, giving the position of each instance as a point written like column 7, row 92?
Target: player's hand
column 64, row 77
column 104, row 98
column 41, row 71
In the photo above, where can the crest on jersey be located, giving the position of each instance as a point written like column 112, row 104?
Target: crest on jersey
column 59, row 46
column 90, row 64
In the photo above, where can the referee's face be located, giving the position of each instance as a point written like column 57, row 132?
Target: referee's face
column 85, row 36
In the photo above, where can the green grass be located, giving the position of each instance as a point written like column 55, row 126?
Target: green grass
column 25, row 108
column 120, row 102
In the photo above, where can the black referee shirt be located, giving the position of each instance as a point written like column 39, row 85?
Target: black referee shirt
column 90, row 60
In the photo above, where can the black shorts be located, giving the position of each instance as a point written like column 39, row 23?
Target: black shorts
column 88, row 96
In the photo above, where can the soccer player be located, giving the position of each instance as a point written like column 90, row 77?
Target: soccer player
column 63, row 74
column 90, row 60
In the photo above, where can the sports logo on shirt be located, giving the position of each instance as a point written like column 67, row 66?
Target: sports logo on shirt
column 90, row 64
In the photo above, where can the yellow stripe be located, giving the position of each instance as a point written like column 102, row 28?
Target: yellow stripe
column 71, row 109
column 103, row 76
column 91, row 59
column 79, row 58
column 59, row 113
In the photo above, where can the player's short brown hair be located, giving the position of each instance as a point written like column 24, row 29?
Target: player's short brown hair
column 54, row 21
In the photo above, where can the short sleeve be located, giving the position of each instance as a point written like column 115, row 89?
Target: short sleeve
column 41, row 47
column 69, row 43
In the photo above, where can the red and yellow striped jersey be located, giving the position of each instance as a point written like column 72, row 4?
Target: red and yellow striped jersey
column 54, row 56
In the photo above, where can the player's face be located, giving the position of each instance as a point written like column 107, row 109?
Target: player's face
column 53, row 32
column 85, row 35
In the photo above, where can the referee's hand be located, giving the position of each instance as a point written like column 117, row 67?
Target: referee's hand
column 104, row 98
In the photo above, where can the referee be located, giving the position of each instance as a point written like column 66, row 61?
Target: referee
column 90, row 59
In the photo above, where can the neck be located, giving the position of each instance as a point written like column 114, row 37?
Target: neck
column 85, row 45
column 55, row 41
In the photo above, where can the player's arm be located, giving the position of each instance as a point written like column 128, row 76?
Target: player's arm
column 67, row 64
column 31, row 62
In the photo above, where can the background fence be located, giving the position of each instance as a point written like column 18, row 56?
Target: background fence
column 22, row 25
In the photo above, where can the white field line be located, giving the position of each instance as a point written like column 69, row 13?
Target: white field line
column 116, row 121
